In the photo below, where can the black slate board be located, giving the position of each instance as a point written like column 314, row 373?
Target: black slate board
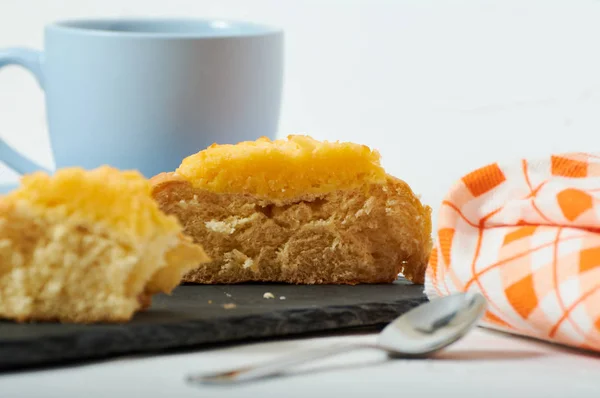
column 186, row 319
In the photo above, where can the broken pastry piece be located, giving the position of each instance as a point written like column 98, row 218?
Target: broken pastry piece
column 87, row 246
column 297, row 211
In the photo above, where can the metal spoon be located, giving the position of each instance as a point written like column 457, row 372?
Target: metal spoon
column 419, row 332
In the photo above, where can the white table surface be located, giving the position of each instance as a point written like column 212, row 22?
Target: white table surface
column 484, row 364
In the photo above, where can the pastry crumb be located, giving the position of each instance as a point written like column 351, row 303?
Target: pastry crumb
column 282, row 298
column 227, row 294
column 229, row 306
column 268, row 295
column 248, row 263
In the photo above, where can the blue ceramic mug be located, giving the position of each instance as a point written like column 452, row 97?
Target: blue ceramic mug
column 145, row 93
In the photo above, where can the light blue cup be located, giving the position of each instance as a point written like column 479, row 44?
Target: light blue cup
column 145, row 93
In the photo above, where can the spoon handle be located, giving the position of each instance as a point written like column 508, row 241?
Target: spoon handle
column 275, row 367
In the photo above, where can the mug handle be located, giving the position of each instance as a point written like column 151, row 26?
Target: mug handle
column 32, row 61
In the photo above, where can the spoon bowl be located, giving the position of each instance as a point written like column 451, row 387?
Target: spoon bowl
column 432, row 326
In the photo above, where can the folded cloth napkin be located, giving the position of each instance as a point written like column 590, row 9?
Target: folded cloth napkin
column 527, row 236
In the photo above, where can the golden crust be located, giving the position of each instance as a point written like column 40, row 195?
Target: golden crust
column 165, row 178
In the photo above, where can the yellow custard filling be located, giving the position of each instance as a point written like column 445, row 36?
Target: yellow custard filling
column 282, row 169
column 120, row 199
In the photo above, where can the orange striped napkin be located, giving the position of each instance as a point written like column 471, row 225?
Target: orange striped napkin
column 527, row 236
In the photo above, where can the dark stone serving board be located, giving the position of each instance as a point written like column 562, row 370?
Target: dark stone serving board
column 186, row 319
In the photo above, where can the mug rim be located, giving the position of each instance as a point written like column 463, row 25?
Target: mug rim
column 219, row 25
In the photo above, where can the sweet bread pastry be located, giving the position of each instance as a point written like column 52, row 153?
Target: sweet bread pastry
column 87, row 246
column 297, row 211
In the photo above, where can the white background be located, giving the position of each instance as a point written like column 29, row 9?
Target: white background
column 439, row 87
